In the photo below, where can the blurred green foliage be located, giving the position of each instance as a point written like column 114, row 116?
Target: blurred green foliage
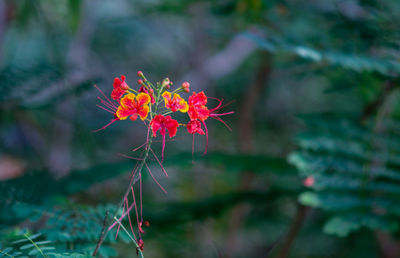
column 327, row 109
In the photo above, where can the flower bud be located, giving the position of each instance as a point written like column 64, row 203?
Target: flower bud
column 124, row 86
column 185, row 85
column 140, row 81
column 140, row 74
column 141, row 244
column 166, row 83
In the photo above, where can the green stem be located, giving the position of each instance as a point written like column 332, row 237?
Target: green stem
column 36, row 246
column 121, row 203
column 6, row 253
column 133, row 240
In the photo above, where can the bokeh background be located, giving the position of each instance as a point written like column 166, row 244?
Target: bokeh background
column 310, row 168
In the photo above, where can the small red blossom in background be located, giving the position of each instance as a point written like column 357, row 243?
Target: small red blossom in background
column 309, row 181
column 152, row 103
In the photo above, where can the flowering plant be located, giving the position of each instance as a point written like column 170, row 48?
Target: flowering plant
column 155, row 106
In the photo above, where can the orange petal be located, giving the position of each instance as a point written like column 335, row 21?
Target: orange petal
column 128, row 101
column 185, row 106
column 143, row 112
column 122, row 113
column 142, row 99
column 167, row 97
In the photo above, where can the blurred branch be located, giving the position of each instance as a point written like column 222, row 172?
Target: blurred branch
column 293, row 230
column 6, row 13
column 245, row 141
column 223, row 62
column 373, row 106
column 389, row 247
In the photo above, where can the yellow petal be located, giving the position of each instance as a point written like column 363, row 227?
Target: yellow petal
column 167, row 96
column 144, row 112
column 185, row 106
column 143, row 99
column 128, row 100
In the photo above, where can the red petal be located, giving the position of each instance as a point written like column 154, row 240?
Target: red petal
column 117, row 83
column 172, row 126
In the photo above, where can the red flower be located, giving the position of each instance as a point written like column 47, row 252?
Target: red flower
column 133, row 106
column 163, row 123
column 120, row 87
column 198, row 110
column 197, row 106
column 194, row 126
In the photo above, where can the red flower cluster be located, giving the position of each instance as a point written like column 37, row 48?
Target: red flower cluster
column 154, row 104
column 132, row 103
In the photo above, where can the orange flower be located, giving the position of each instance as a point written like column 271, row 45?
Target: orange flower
column 132, row 105
column 176, row 103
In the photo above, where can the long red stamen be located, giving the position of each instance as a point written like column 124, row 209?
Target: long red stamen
column 222, row 114
column 130, row 224
column 109, row 105
column 137, row 148
column 222, row 121
column 136, row 211
column 148, row 135
column 162, row 167
column 106, row 109
column 193, row 150
column 104, row 95
column 205, row 127
column 141, row 194
column 104, row 127
column 129, row 157
column 121, row 218
column 119, row 226
column 155, row 180
column 163, row 147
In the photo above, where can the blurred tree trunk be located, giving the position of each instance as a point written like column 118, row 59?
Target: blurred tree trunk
column 78, row 66
column 294, row 229
column 246, row 146
column 389, row 247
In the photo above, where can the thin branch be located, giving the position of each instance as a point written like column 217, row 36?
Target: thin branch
column 138, row 168
column 133, row 240
column 293, row 230
column 102, row 233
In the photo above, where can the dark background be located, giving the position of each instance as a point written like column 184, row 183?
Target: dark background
column 314, row 85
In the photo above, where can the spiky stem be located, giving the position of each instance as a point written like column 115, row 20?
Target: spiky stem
column 109, row 221
column 106, row 227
